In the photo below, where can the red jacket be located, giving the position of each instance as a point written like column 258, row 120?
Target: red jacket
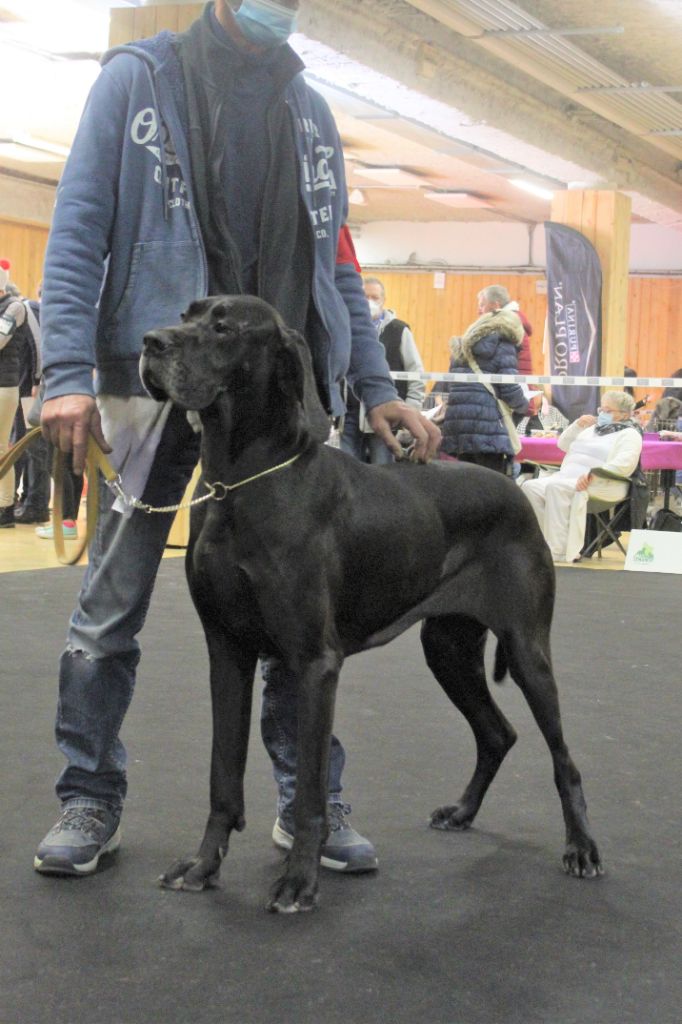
column 525, row 360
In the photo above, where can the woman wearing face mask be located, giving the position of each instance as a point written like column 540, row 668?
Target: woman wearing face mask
column 611, row 441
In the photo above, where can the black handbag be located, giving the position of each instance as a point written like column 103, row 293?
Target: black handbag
column 666, row 519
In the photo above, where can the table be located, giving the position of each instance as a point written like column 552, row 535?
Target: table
column 656, row 454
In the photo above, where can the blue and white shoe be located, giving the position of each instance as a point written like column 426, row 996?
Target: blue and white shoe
column 345, row 849
column 74, row 845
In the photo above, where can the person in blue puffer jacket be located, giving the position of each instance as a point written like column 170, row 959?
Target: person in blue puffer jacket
column 473, row 429
column 203, row 165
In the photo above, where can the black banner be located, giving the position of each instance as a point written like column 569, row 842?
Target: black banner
column 573, row 317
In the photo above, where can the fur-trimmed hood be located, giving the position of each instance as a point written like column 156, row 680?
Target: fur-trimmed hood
column 502, row 321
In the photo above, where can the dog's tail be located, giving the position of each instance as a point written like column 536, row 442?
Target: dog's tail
column 501, row 663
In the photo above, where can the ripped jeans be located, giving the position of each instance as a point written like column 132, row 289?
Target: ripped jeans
column 98, row 667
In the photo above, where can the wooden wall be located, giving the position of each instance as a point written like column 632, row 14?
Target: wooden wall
column 23, row 244
column 141, row 22
column 654, row 343
column 653, row 346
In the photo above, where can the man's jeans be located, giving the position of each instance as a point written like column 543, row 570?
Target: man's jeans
column 366, row 447
column 279, row 729
column 97, row 669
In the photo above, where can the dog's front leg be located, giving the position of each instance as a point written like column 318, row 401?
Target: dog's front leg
column 232, row 672
column 296, row 890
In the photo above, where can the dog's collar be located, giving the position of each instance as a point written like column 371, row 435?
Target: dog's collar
column 226, row 488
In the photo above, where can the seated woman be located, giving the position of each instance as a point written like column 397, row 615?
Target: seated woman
column 611, row 441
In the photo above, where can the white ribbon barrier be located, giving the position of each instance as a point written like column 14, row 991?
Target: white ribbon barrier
column 518, row 378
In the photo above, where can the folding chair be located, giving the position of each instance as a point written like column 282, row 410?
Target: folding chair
column 606, row 516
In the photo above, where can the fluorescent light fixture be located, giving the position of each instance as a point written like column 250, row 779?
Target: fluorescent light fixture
column 510, row 33
column 534, row 190
column 392, row 177
column 66, row 26
column 458, row 200
column 616, row 90
column 356, row 197
column 27, row 149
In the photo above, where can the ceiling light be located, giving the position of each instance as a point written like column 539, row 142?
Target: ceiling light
column 394, row 177
column 492, row 33
column 630, row 87
column 357, row 197
column 70, row 25
column 534, row 190
column 459, row 200
column 28, row 149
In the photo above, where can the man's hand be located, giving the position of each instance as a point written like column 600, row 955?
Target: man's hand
column 68, row 421
column 382, row 418
column 587, row 420
column 583, row 482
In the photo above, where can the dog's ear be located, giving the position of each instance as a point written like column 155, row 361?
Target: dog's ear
column 296, row 378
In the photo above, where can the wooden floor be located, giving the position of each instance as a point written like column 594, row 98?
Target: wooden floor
column 21, row 550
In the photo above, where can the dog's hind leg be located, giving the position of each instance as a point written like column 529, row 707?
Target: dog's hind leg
column 454, row 647
column 530, row 667
column 232, row 673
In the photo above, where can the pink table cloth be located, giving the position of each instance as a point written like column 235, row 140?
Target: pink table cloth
column 656, row 454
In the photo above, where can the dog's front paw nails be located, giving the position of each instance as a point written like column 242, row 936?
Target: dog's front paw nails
column 452, row 819
column 289, row 897
column 190, row 875
column 582, row 861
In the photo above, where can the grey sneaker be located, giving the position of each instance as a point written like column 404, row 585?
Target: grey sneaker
column 74, row 845
column 345, row 849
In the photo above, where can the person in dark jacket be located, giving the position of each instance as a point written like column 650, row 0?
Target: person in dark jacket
column 34, row 468
column 473, row 428
column 204, row 164
column 402, row 353
column 495, row 297
column 674, row 392
column 12, row 316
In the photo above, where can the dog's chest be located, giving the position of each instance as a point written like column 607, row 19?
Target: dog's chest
column 221, row 587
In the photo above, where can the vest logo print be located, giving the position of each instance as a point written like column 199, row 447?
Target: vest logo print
column 144, row 131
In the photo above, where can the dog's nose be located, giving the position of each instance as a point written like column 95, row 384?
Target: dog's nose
column 156, row 341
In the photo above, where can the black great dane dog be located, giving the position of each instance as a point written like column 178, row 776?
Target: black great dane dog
column 304, row 553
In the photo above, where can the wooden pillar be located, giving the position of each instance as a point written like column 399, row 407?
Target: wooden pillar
column 128, row 23
column 603, row 217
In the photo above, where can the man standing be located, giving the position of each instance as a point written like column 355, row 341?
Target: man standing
column 12, row 316
column 203, row 164
column 402, row 354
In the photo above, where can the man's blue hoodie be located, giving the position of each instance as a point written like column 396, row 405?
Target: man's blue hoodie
column 125, row 253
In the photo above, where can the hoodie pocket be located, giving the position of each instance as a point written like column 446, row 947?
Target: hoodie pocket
column 162, row 281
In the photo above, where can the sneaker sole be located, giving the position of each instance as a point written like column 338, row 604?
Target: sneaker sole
column 62, row 866
column 284, row 841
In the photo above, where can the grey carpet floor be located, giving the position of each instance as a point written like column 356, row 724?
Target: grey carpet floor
column 474, row 928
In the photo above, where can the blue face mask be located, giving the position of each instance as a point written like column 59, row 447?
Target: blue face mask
column 265, row 22
column 604, row 419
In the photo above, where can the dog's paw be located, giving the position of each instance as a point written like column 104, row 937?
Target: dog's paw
column 190, row 875
column 290, row 897
column 582, row 861
column 452, row 819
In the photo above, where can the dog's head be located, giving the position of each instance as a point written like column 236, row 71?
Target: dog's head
column 236, row 346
